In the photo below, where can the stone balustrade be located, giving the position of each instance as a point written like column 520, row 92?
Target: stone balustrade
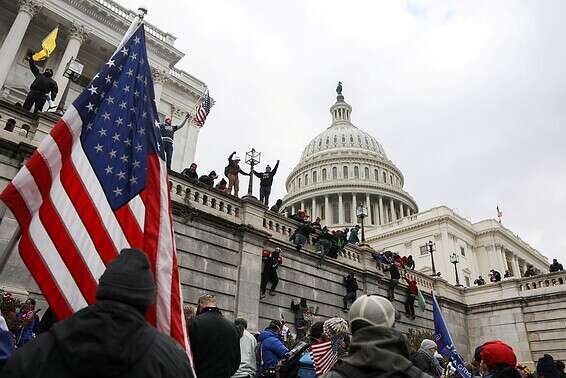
column 542, row 281
column 16, row 120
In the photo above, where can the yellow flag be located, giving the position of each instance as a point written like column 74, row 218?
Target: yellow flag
column 47, row 46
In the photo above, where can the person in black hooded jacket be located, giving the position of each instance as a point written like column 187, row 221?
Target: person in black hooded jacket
column 109, row 338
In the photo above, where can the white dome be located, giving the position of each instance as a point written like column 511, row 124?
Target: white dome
column 341, row 137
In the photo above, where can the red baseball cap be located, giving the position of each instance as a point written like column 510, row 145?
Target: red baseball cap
column 497, row 352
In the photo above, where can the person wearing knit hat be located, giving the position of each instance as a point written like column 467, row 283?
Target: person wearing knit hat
column 425, row 358
column 108, row 338
column 337, row 330
column 546, row 367
column 498, row 360
column 377, row 348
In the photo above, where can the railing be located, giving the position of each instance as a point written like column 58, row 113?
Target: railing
column 128, row 14
column 543, row 281
column 188, row 79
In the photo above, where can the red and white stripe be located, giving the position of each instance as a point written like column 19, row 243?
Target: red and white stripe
column 323, row 356
column 70, row 233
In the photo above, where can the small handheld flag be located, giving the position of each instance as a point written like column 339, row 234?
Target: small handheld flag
column 47, row 46
column 444, row 341
column 202, row 110
column 499, row 213
column 421, row 301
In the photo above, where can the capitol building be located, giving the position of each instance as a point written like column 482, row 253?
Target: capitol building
column 345, row 168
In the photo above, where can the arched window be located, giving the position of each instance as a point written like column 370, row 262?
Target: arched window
column 306, row 179
column 314, row 177
column 343, row 139
column 335, row 139
column 356, row 172
column 334, row 173
column 376, row 174
column 366, row 173
column 384, row 178
column 345, row 172
column 391, row 179
column 351, row 139
column 299, row 183
column 323, row 174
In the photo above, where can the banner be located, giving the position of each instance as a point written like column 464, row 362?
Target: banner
column 444, row 341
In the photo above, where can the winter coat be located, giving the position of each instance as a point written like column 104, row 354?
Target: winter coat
column 353, row 238
column 306, row 366
column 556, row 267
column 215, row 343
column 394, row 271
column 206, row 180
column 42, row 83
column 190, row 173
column 233, row 168
column 106, row 339
column 412, row 287
column 266, row 178
column 377, row 352
column 272, row 349
column 168, row 131
column 425, row 362
column 248, row 364
column 351, row 284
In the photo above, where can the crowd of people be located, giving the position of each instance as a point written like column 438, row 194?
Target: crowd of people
column 531, row 271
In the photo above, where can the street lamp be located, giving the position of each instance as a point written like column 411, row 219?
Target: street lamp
column 362, row 213
column 73, row 71
column 431, row 249
column 455, row 259
column 252, row 158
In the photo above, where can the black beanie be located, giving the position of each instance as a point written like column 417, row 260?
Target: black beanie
column 128, row 279
column 547, row 368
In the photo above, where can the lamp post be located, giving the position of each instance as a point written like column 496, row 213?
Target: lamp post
column 431, row 249
column 252, row 158
column 455, row 259
column 73, row 71
column 362, row 213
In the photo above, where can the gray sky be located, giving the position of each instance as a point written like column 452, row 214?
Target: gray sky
column 466, row 97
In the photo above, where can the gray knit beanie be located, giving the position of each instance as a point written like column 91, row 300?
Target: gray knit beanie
column 373, row 310
column 128, row 279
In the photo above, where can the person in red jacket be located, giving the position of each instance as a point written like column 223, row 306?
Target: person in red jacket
column 412, row 291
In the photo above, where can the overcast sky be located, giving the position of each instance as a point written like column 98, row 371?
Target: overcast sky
column 468, row 98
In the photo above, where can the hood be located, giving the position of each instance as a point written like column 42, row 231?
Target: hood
column 379, row 349
column 104, row 339
column 266, row 334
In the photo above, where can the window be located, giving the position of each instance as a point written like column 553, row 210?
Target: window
column 335, row 139
column 390, row 179
column 366, row 173
column 351, row 139
column 424, row 250
column 462, row 251
column 345, row 172
column 356, row 172
column 347, row 212
column 314, row 177
column 334, row 173
column 293, row 185
column 385, row 177
column 323, row 174
column 343, row 139
column 299, row 183
column 306, row 180
column 376, row 174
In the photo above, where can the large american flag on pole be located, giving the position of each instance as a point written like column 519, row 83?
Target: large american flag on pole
column 97, row 184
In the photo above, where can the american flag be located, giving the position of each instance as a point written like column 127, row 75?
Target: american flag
column 97, row 184
column 202, row 110
column 499, row 214
column 324, row 357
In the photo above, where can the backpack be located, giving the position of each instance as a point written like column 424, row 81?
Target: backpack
column 288, row 367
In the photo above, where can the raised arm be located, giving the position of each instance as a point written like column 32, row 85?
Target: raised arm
column 32, row 66
column 230, row 157
column 175, row 128
column 257, row 174
column 274, row 170
column 244, row 173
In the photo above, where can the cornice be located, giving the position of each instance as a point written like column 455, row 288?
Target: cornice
column 31, row 7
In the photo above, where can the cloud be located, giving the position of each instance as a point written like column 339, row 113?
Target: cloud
column 467, row 98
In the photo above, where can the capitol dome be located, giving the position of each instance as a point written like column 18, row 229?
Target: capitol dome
column 345, row 167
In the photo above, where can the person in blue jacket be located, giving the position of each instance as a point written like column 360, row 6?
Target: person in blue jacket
column 272, row 349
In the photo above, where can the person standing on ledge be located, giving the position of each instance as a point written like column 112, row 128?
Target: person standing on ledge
column 266, row 180
column 167, row 134
column 232, row 171
column 40, row 88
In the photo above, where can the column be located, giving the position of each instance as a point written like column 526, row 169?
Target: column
column 368, row 206
column 293, row 209
column 340, row 209
column 381, row 219
column 353, row 209
column 313, row 208
column 77, row 35
column 327, row 211
column 505, row 263
column 401, row 212
column 160, row 77
column 392, row 206
column 408, row 211
column 12, row 42
column 303, row 205
column 515, row 264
